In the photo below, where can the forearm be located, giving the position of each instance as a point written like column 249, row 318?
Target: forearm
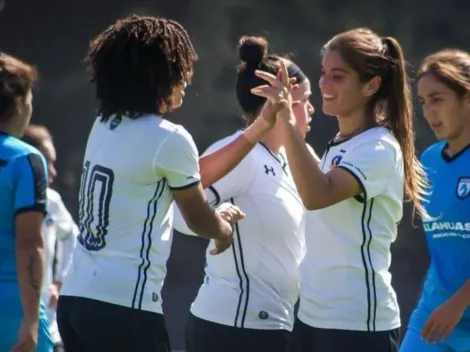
column 30, row 268
column 218, row 164
column 462, row 296
column 312, row 184
column 209, row 224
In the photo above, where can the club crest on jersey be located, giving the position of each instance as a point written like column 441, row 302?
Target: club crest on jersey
column 463, row 187
column 115, row 123
column 335, row 161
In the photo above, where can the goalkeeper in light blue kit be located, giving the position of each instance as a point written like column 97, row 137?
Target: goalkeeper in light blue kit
column 441, row 322
column 23, row 184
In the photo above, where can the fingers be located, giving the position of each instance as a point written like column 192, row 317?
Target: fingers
column 268, row 77
column 284, row 74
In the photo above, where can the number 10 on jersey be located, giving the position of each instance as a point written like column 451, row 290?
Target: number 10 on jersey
column 96, row 190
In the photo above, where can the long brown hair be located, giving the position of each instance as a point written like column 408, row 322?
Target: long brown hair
column 451, row 67
column 373, row 56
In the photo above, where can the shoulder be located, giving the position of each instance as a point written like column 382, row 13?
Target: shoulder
column 53, row 196
column 18, row 152
column 432, row 152
column 378, row 141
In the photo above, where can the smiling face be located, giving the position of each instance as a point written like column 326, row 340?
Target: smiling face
column 342, row 91
column 447, row 113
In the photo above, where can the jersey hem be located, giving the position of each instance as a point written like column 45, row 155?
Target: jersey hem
column 246, row 325
column 360, row 198
column 158, row 309
column 342, row 325
column 40, row 207
column 189, row 185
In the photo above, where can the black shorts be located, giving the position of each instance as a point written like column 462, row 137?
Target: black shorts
column 206, row 336
column 309, row 339
column 88, row 325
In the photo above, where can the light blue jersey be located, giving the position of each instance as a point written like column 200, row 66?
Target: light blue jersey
column 23, row 184
column 448, row 239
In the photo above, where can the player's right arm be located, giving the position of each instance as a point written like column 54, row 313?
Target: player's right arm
column 30, row 184
column 178, row 163
column 213, row 166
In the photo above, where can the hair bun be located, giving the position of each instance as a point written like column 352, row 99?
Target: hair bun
column 252, row 50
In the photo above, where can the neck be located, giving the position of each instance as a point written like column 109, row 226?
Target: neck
column 460, row 142
column 10, row 129
column 272, row 142
column 352, row 124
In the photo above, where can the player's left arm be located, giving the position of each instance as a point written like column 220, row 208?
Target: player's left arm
column 364, row 172
column 30, row 185
column 444, row 318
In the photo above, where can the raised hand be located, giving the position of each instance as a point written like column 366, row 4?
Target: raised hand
column 279, row 90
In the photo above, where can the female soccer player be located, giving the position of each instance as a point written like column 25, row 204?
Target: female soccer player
column 246, row 302
column 136, row 163
column 23, row 184
column 60, row 231
column 441, row 322
column 347, row 301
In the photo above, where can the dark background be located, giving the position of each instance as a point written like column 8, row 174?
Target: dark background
column 54, row 35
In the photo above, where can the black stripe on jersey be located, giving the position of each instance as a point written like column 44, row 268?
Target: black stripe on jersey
column 216, row 195
column 145, row 246
column 242, row 276
column 368, row 267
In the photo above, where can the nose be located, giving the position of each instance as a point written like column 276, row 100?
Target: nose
column 52, row 173
column 310, row 110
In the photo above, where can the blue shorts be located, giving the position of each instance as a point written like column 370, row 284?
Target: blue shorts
column 9, row 328
column 458, row 341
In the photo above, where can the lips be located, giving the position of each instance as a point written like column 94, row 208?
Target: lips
column 328, row 97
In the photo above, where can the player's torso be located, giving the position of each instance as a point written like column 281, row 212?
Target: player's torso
column 345, row 275
column 10, row 148
column 448, row 232
column 124, row 218
column 255, row 283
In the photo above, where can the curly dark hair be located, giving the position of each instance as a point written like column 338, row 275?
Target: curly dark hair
column 136, row 63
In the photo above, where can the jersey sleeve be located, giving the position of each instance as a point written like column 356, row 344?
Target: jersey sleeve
column 178, row 161
column 371, row 163
column 30, row 183
column 235, row 182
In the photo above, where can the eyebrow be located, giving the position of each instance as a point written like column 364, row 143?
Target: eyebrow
column 337, row 69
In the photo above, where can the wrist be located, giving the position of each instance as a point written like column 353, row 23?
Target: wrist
column 257, row 130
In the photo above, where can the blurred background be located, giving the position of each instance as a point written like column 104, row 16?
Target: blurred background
column 54, row 35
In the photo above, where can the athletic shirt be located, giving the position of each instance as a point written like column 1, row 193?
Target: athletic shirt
column 23, row 184
column 345, row 278
column 448, row 230
column 58, row 227
column 125, row 214
column 255, row 283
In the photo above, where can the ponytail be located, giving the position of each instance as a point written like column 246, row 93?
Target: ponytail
column 399, row 115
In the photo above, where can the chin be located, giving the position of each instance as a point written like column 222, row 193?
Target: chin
column 330, row 111
column 177, row 104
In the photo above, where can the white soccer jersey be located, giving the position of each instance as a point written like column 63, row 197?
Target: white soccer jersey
column 125, row 212
column 345, row 278
column 255, row 283
column 59, row 228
